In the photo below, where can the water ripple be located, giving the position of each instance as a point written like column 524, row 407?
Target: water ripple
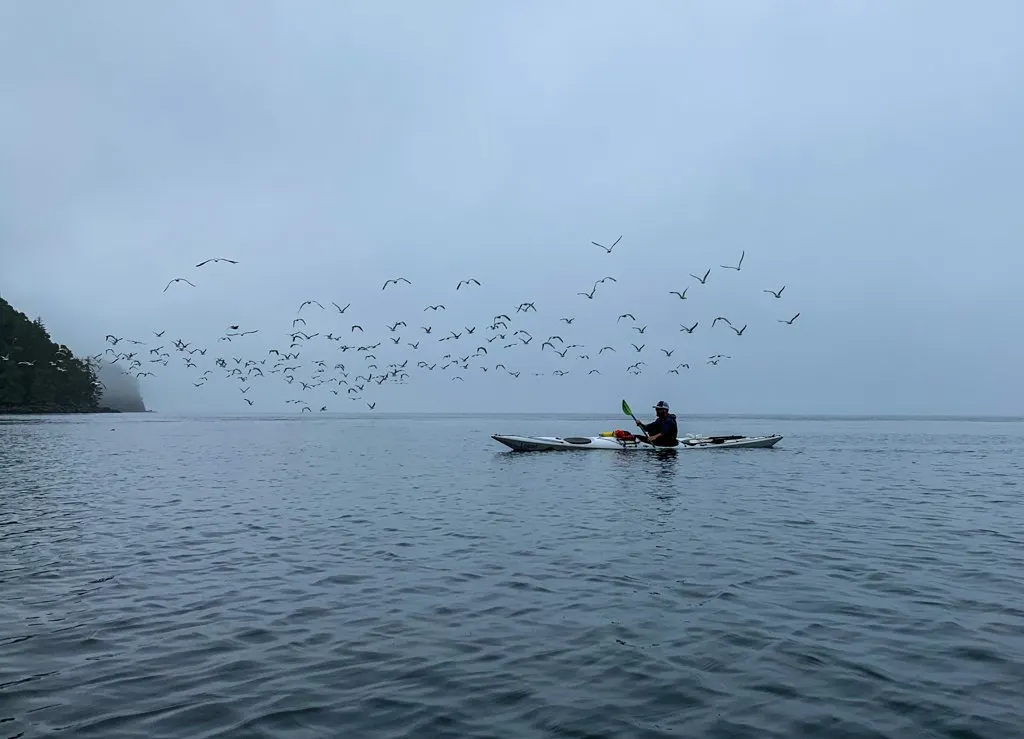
column 265, row 578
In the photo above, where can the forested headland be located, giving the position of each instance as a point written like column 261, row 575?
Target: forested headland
column 38, row 375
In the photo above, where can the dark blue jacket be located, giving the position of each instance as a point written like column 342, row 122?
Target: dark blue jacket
column 665, row 426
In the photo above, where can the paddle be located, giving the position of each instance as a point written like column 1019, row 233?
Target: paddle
column 628, row 412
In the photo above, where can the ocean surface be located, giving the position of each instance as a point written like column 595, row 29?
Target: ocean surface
column 405, row 576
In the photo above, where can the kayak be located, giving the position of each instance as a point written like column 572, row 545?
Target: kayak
column 584, row 443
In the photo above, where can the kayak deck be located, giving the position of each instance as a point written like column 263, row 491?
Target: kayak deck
column 584, row 443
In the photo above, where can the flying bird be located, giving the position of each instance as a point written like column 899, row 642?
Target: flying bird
column 776, row 294
column 216, row 259
column 466, row 282
column 395, row 281
column 177, row 279
column 340, row 309
column 682, row 295
column 309, row 302
column 790, row 321
column 435, row 307
column 701, row 280
column 737, row 267
column 690, row 329
column 739, row 331
column 608, row 249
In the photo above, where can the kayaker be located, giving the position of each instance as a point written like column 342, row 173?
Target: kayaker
column 662, row 431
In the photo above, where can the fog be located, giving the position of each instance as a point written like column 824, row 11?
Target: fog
column 121, row 390
column 865, row 155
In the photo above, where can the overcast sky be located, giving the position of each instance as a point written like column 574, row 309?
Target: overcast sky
column 867, row 156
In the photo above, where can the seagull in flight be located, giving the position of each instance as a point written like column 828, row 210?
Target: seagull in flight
column 340, row 309
column 776, row 294
column 466, row 282
column 216, row 259
column 177, row 279
column 790, row 321
column 309, row 302
column 703, row 279
column 395, row 281
column 690, row 329
column 739, row 331
column 737, row 267
column 682, row 295
column 608, row 249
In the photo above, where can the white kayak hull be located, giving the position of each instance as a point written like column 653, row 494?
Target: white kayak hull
column 586, row 443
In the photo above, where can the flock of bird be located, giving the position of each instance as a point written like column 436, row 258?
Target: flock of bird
column 325, row 355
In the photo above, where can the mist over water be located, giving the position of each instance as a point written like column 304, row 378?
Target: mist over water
column 121, row 390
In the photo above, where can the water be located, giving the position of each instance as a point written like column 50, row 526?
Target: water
column 405, row 576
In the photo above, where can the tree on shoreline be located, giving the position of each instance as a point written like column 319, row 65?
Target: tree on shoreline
column 38, row 375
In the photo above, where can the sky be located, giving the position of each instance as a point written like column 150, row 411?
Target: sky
column 865, row 155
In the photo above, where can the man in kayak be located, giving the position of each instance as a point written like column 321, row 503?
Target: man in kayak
column 662, row 431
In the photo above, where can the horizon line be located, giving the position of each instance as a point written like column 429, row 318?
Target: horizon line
column 793, row 416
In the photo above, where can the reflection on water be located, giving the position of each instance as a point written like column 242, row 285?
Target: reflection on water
column 282, row 577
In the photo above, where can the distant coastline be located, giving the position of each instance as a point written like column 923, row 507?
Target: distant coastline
column 53, row 411
column 39, row 376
